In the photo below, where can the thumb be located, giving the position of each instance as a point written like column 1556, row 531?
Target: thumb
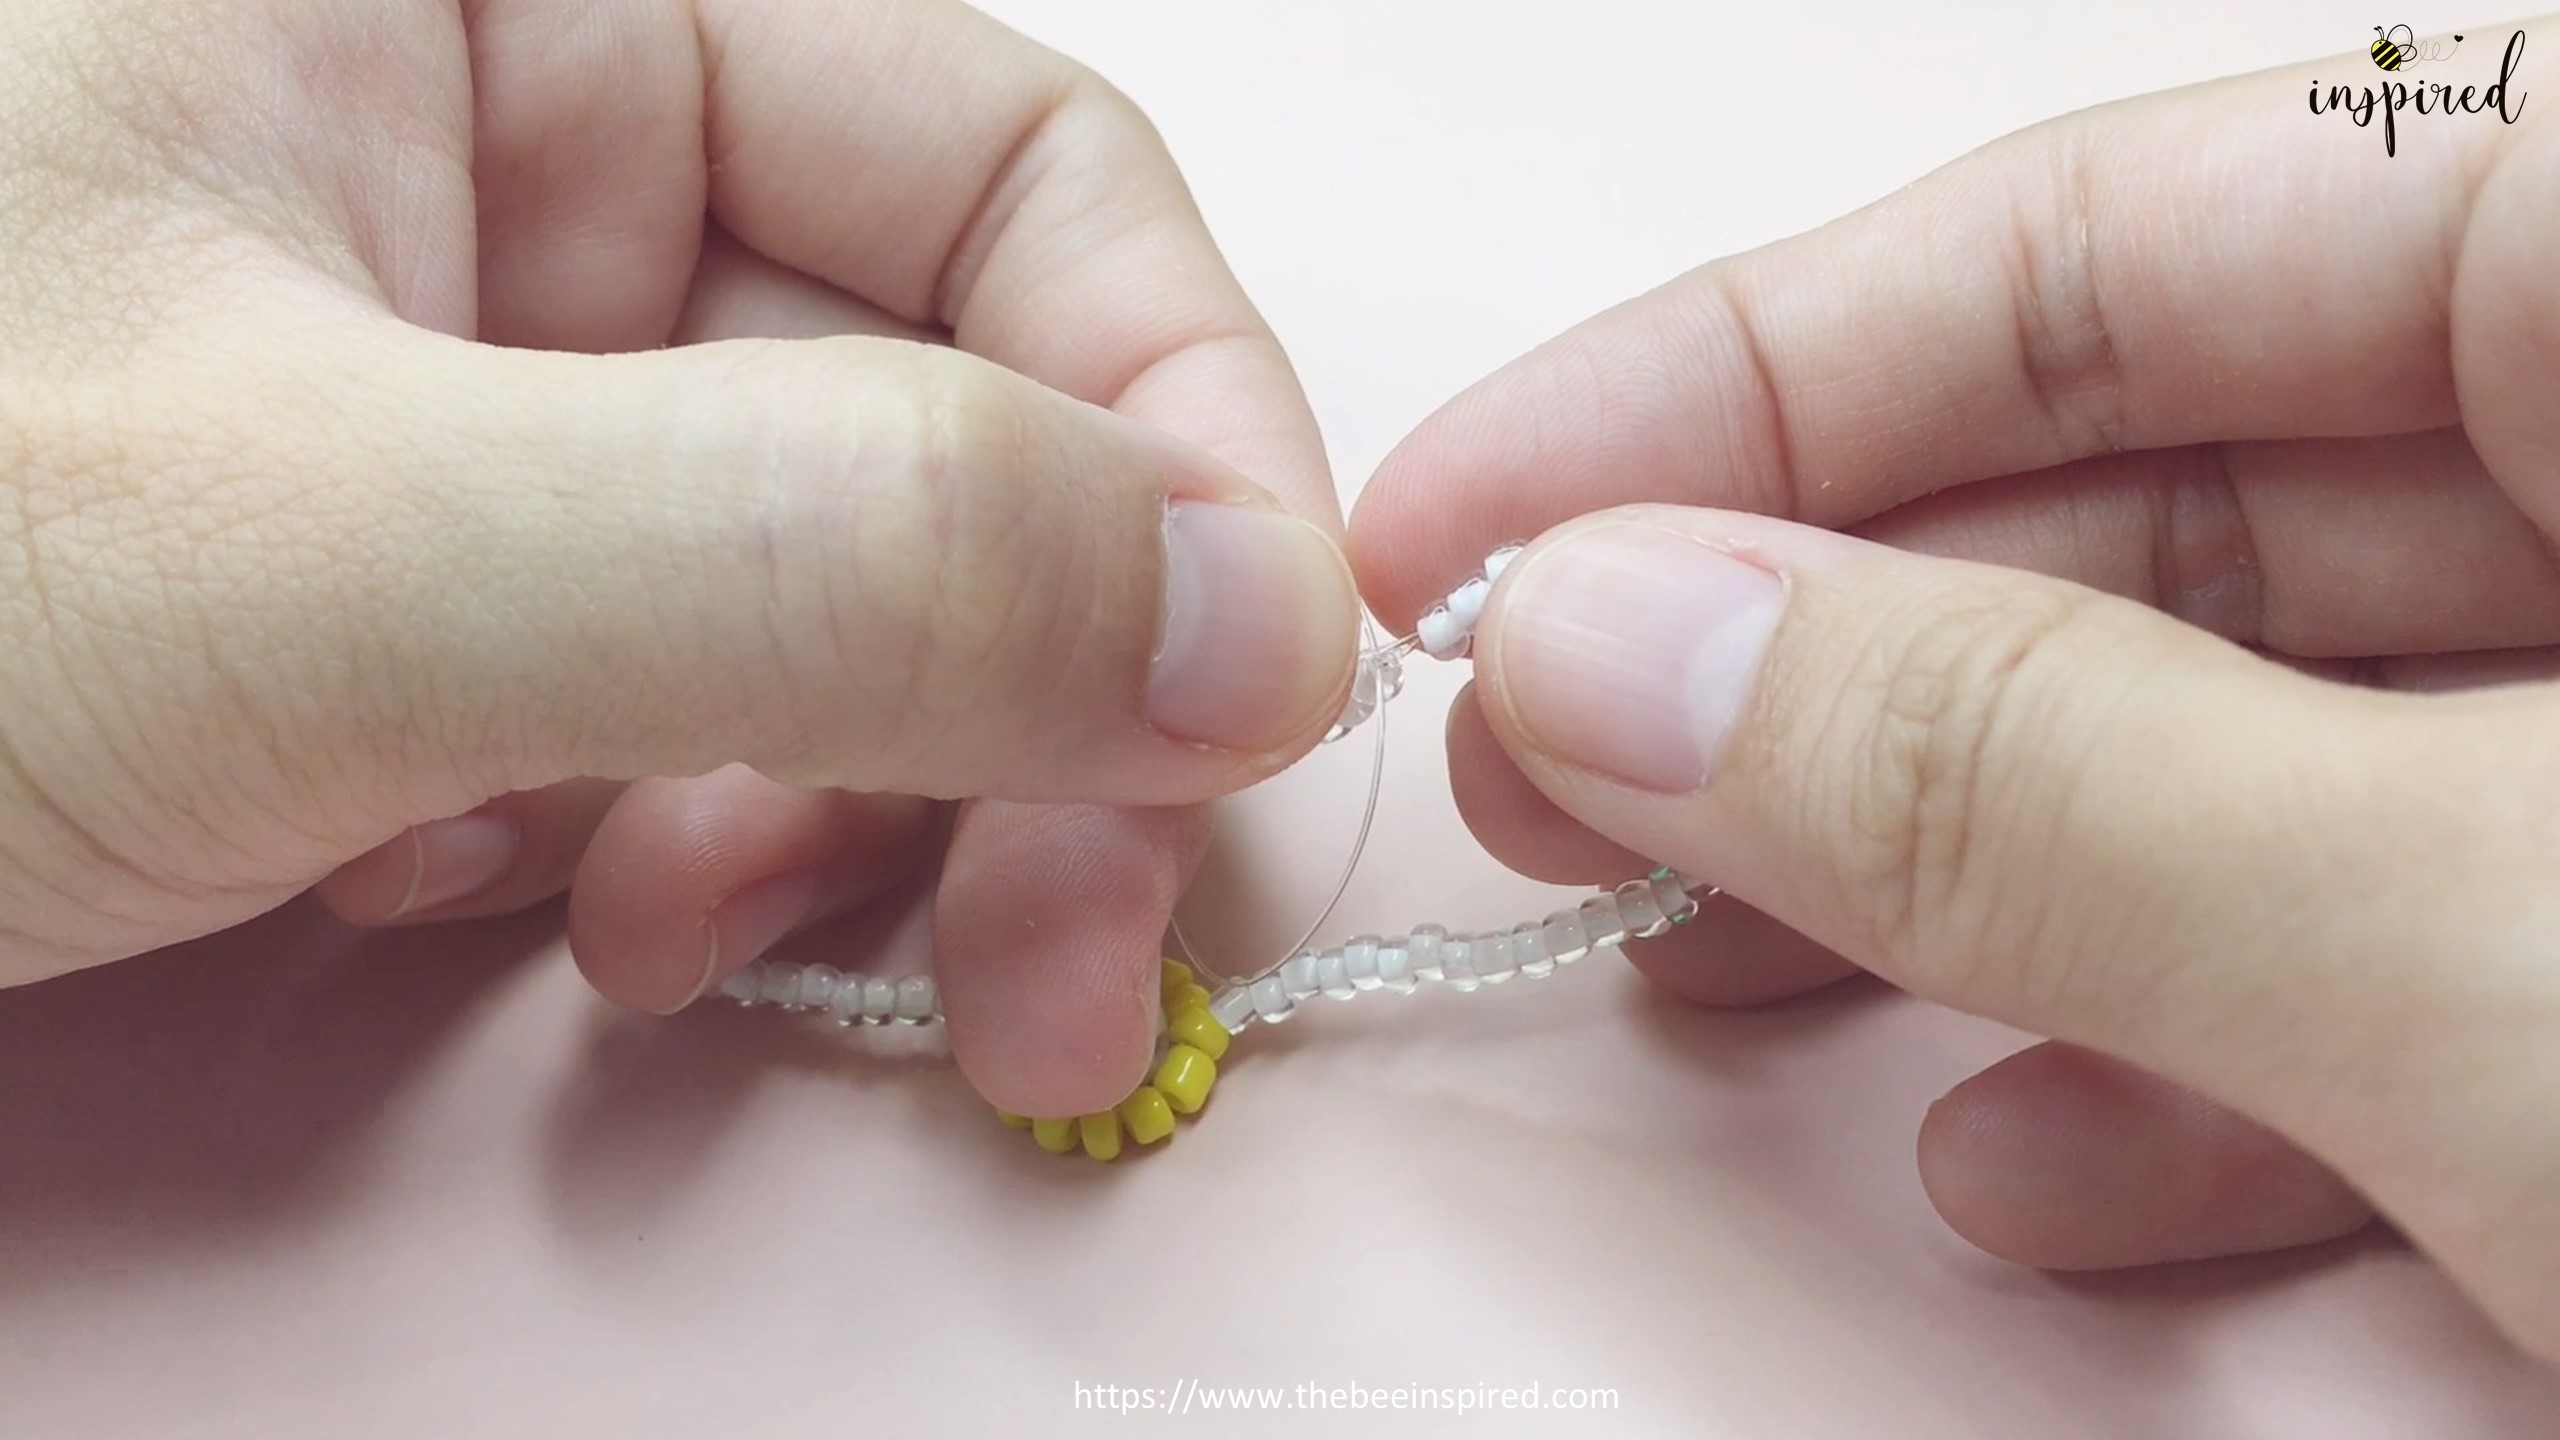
column 2074, row 815
column 852, row 562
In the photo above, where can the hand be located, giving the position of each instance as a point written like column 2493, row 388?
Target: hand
column 324, row 560
column 2231, row 380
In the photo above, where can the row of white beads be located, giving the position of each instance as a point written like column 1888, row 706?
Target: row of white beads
column 1443, row 633
column 848, row 997
column 1636, row 910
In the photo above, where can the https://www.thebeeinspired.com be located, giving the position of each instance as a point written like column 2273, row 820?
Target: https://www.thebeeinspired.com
column 1192, row 1397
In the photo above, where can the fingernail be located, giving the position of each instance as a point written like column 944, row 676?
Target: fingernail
column 1632, row 651
column 754, row 919
column 1259, row 628
column 449, row 860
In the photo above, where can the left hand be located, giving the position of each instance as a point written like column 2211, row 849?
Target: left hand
column 622, row 176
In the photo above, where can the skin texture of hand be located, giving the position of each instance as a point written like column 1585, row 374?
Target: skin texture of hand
column 421, row 425
column 2109, row 587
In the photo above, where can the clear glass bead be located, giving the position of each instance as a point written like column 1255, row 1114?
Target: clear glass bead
column 915, row 1000
column 1395, row 967
column 1491, row 955
column 1360, row 962
column 1566, row 939
column 1529, row 947
column 1638, row 910
column 1601, row 924
column 743, row 984
column 1425, row 947
column 1457, row 962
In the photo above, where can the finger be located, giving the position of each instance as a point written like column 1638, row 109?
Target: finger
column 1514, row 821
column 588, row 169
column 738, row 294
column 689, row 879
column 851, row 563
column 1730, row 954
column 1733, row 955
column 2045, row 299
column 1047, row 937
column 2398, row 544
column 515, row 851
column 2427, row 674
column 1029, row 209
column 2071, row 814
column 2506, row 335
column 2061, row 1158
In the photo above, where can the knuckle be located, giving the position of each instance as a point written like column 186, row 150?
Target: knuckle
column 2065, row 342
column 952, row 545
column 1956, row 737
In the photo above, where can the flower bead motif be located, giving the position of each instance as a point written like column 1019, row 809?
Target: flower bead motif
column 1189, row 1044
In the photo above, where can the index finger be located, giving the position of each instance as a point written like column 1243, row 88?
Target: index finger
column 2212, row 263
column 943, row 167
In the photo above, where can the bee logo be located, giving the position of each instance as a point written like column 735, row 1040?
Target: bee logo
column 2399, row 46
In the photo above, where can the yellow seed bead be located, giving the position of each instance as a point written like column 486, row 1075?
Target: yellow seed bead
column 1149, row 1119
column 1185, row 1078
column 1101, row 1134
column 1055, row 1136
column 1174, row 976
column 1016, row 1121
column 1189, row 997
column 1200, row 1030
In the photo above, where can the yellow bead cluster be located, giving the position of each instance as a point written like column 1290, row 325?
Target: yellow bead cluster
column 1195, row 1042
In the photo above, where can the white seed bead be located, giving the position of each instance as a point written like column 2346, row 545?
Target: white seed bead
column 1602, row 926
column 781, row 985
column 1441, row 634
column 1638, row 911
column 915, row 1000
column 1566, row 939
column 1298, row 977
column 1466, row 603
column 1395, row 966
column 1423, row 948
column 818, row 986
column 1529, row 948
column 1457, row 962
column 1671, row 892
column 1360, row 962
column 1271, row 1000
column 1232, row 1008
column 879, row 999
column 1333, row 975
column 1499, row 561
column 847, row 1005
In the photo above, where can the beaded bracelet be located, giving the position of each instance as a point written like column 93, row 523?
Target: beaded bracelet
column 1199, row 1024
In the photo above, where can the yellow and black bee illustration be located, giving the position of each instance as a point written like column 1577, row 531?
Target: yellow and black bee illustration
column 2389, row 53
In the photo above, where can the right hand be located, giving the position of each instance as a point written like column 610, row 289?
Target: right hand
column 2098, row 402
